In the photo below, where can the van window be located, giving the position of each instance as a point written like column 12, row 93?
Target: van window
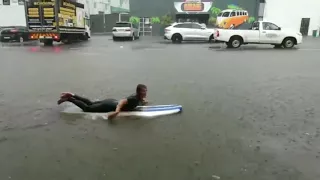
column 238, row 13
column 241, row 13
column 226, row 14
column 233, row 14
column 219, row 15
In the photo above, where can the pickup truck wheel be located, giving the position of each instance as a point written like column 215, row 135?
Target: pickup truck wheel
column 288, row 43
column 234, row 42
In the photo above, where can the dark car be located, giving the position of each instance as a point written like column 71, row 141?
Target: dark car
column 18, row 34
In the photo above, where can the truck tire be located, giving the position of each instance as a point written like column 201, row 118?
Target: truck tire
column 288, row 43
column 234, row 42
column 48, row 42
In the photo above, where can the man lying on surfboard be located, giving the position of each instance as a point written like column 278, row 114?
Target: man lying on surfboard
column 108, row 105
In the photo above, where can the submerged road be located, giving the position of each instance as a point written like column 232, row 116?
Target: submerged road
column 249, row 114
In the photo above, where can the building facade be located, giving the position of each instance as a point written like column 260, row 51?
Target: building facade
column 302, row 16
column 108, row 6
column 12, row 13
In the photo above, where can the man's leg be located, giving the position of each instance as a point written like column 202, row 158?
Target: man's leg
column 65, row 96
column 95, row 107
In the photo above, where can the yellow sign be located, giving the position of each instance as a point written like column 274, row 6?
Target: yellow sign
column 192, row 6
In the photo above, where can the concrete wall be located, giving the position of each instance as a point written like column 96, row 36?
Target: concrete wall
column 104, row 23
column 288, row 13
column 12, row 15
column 147, row 8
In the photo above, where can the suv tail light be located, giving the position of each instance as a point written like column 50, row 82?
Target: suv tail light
column 114, row 29
column 128, row 29
column 166, row 30
column 13, row 30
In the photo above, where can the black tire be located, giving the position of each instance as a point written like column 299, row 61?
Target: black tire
column 48, row 42
column 277, row 46
column 234, row 42
column 288, row 43
column 176, row 38
column 133, row 37
column 211, row 38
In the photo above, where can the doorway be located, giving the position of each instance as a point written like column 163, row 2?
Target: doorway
column 304, row 27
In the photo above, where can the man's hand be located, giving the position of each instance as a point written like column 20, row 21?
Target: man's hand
column 144, row 101
column 112, row 115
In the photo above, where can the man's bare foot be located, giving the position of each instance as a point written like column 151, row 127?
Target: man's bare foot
column 66, row 95
column 62, row 100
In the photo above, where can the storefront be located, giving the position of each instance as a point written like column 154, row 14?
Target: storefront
column 193, row 11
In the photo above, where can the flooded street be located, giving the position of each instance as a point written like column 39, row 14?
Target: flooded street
column 248, row 114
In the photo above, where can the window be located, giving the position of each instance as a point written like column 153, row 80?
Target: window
column 238, row 13
column 187, row 25
column 21, row 2
column 196, row 26
column 123, row 25
column 244, row 13
column 233, row 14
column 269, row 26
column 179, row 26
column 241, row 13
column 255, row 26
column 6, row 2
column 226, row 14
column 219, row 15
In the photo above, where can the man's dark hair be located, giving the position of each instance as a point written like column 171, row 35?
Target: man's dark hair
column 140, row 87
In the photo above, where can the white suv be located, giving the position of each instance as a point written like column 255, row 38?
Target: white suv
column 125, row 30
column 178, row 32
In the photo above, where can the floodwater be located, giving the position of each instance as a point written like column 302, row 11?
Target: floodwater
column 249, row 114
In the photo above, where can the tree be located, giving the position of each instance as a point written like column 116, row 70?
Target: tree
column 166, row 20
column 234, row 7
column 155, row 20
column 251, row 19
column 215, row 11
column 212, row 20
column 134, row 19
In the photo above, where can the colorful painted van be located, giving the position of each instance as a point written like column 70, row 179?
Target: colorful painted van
column 230, row 18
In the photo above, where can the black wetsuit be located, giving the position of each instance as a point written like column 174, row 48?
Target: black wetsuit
column 106, row 105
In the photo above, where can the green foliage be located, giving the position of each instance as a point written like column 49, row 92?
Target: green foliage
column 234, row 7
column 155, row 20
column 134, row 20
column 251, row 19
column 215, row 11
column 212, row 20
column 166, row 20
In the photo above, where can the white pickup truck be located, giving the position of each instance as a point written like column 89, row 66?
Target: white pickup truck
column 261, row 32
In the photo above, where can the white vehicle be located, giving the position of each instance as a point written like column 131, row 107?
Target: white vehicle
column 261, row 32
column 187, row 31
column 125, row 30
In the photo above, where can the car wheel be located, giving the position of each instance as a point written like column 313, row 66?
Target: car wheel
column 211, row 38
column 177, row 38
column 133, row 37
column 21, row 40
column 234, row 42
column 288, row 43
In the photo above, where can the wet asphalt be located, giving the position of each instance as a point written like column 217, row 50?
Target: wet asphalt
column 250, row 113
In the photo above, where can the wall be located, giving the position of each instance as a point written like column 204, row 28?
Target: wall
column 108, row 6
column 12, row 15
column 147, row 8
column 288, row 13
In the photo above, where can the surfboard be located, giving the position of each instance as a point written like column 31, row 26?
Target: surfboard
column 140, row 111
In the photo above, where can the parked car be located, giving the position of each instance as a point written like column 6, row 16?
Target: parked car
column 188, row 31
column 125, row 30
column 12, row 33
column 261, row 32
